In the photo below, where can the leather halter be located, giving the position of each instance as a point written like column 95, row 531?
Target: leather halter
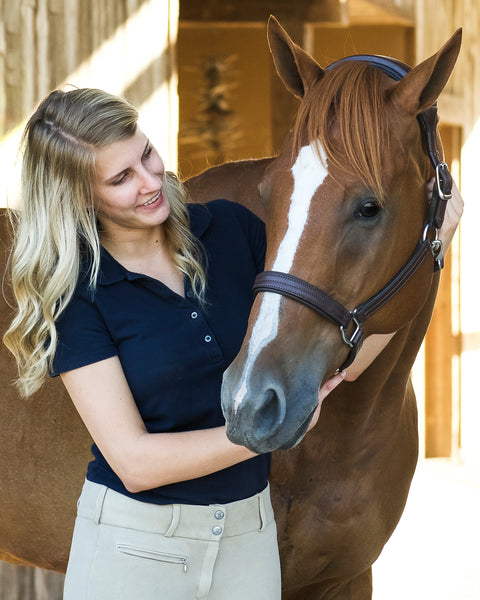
column 350, row 321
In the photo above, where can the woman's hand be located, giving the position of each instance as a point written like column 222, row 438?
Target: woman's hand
column 453, row 212
column 326, row 388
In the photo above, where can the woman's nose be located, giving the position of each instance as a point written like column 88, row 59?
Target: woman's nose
column 150, row 181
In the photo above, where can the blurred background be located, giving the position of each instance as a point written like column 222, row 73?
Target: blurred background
column 201, row 74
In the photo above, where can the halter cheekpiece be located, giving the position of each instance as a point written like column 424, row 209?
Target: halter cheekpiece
column 350, row 321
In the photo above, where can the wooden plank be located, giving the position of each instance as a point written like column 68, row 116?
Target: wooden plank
column 255, row 11
column 71, row 24
column 28, row 62
column 15, row 582
column 381, row 12
column 452, row 110
column 3, row 91
column 11, row 16
column 439, row 349
column 404, row 9
column 29, row 583
column 42, row 59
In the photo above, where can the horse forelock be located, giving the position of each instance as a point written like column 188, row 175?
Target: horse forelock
column 345, row 114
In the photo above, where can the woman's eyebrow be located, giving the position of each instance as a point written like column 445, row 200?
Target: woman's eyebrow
column 119, row 174
column 113, row 177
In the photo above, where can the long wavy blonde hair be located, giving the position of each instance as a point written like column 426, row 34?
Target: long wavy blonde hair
column 57, row 227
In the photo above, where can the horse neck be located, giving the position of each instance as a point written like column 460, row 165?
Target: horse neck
column 236, row 181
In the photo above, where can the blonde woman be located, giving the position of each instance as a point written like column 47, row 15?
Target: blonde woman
column 121, row 290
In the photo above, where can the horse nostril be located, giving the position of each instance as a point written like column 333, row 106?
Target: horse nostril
column 271, row 414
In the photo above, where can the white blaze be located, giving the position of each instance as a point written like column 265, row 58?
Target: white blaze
column 308, row 174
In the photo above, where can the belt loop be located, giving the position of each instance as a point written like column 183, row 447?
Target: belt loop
column 175, row 520
column 261, row 511
column 98, row 508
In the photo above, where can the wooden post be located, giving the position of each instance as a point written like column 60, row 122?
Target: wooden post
column 442, row 346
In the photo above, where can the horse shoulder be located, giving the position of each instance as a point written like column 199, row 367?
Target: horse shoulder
column 236, row 181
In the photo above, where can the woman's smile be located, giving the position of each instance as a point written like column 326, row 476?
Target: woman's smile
column 153, row 202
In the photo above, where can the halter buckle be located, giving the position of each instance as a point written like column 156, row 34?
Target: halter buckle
column 444, row 181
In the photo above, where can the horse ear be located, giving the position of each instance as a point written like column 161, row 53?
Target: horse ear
column 296, row 68
column 421, row 86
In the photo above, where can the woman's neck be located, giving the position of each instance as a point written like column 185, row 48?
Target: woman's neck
column 135, row 244
column 145, row 252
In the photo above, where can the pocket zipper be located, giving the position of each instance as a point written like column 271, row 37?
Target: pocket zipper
column 152, row 554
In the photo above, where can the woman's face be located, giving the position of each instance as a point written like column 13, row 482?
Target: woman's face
column 128, row 192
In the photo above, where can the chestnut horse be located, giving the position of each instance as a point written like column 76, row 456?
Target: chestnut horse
column 344, row 204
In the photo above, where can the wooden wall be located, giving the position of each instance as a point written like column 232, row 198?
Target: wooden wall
column 123, row 46
column 27, row 583
column 245, row 111
column 460, row 108
column 225, row 74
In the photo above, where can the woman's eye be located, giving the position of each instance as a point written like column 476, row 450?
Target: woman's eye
column 368, row 209
column 120, row 180
column 148, row 152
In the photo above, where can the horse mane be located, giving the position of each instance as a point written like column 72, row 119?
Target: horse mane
column 343, row 113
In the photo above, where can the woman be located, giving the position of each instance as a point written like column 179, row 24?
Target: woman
column 139, row 302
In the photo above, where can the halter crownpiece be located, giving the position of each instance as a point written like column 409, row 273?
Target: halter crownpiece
column 318, row 300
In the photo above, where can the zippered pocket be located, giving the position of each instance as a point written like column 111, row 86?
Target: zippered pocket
column 153, row 555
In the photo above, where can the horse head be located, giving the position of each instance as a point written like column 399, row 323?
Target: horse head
column 346, row 208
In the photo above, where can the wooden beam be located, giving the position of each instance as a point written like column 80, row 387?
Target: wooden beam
column 403, row 9
column 254, row 11
column 452, row 109
column 442, row 345
column 439, row 349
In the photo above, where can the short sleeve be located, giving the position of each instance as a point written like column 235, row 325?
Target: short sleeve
column 83, row 337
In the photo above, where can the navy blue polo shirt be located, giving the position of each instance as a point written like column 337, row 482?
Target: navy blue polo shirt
column 172, row 351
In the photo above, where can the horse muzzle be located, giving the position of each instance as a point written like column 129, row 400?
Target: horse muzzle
column 265, row 412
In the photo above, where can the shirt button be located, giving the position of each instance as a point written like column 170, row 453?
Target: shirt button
column 194, row 315
column 208, row 338
column 217, row 530
column 219, row 514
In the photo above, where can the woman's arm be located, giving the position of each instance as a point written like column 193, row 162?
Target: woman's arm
column 143, row 460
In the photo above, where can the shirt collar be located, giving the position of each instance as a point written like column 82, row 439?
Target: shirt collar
column 111, row 271
column 200, row 218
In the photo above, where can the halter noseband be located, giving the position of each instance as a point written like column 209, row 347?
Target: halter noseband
column 318, row 300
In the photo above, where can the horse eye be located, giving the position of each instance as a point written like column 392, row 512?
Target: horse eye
column 368, row 209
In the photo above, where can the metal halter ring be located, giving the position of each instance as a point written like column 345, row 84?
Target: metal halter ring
column 435, row 244
column 352, row 341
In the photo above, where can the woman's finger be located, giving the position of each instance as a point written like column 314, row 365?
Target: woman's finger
column 326, row 388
